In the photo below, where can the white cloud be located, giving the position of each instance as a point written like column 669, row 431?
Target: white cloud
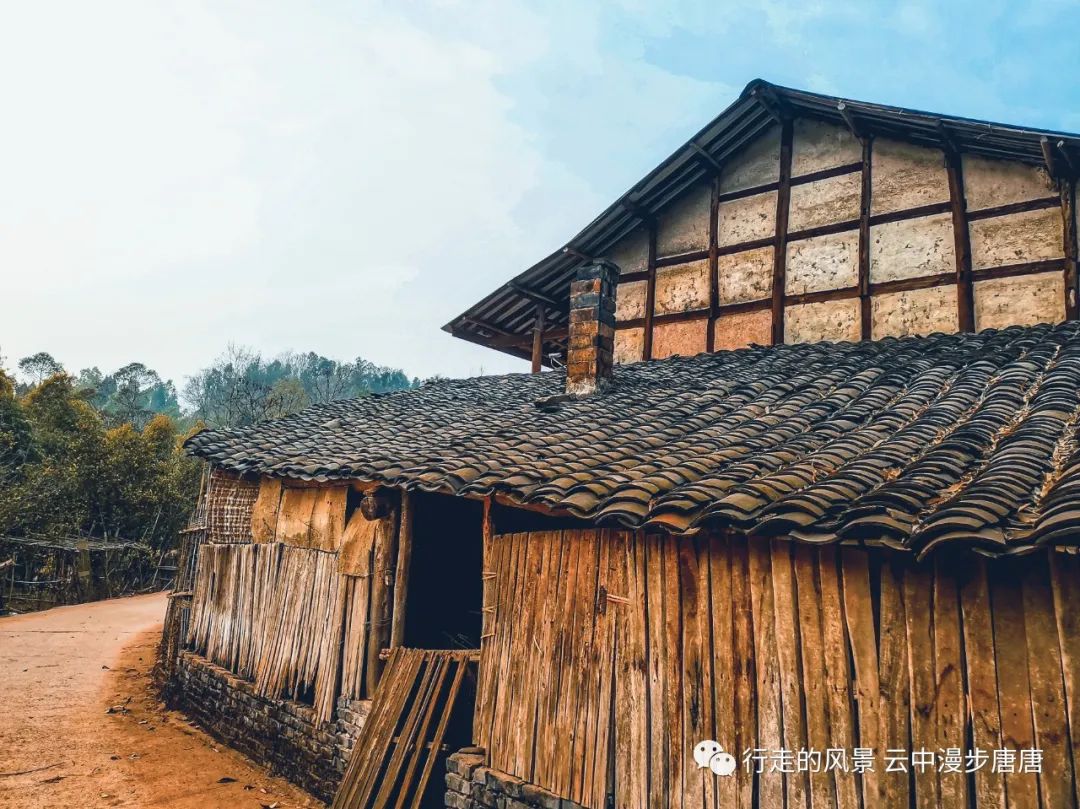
column 331, row 178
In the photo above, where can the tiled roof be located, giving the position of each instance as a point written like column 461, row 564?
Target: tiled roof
column 913, row 442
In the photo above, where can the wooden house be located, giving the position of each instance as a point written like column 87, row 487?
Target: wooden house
column 802, row 487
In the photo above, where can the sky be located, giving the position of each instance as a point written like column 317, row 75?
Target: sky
column 346, row 177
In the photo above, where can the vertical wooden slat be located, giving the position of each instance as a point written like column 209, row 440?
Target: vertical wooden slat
column 786, row 607
column 767, row 668
column 537, row 657
column 1014, row 686
column 567, row 644
column 866, row 327
column 547, row 671
column 401, row 570
column 965, row 306
column 613, row 614
column 746, row 735
column 631, row 702
column 862, row 637
column 723, row 664
column 839, row 687
column 893, row 681
column 918, row 598
column 783, row 200
column 594, row 674
column 950, row 704
column 524, row 723
column 650, row 294
column 812, row 656
column 982, row 680
column 671, row 698
column 660, row 777
column 1047, row 686
column 696, row 701
column 384, row 557
column 1064, row 577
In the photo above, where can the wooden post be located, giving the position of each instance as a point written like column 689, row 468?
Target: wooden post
column 382, row 587
column 1072, row 276
column 864, row 242
column 783, row 199
column 650, row 294
column 714, row 258
column 537, row 341
column 965, row 300
column 401, row 572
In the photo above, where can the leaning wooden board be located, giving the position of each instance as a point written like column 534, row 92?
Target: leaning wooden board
column 394, row 760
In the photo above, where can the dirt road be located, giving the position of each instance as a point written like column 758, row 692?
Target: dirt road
column 79, row 725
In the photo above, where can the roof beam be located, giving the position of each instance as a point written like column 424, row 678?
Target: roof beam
column 708, row 158
column 1049, row 157
column 766, row 97
column 947, row 142
column 1064, row 152
column 536, row 297
column 849, row 119
column 638, row 210
column 570, row 250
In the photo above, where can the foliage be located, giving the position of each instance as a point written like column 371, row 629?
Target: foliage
column 100, row 454
column 65, row 472
column 243, row 388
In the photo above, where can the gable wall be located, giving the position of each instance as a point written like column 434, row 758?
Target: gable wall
column 869, row 248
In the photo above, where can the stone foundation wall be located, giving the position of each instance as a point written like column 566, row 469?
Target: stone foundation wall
column 281, row 734
column 471, row 785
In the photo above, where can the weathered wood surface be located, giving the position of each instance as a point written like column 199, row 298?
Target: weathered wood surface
column 645, row 645
column 395, row 756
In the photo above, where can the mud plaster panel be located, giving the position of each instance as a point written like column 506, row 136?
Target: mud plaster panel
column 685, row 225
column 758, row 164
column 632, row 253
column 686, row 338
column 989, row 183
column 629, row 345
column 1022, row 301
column 630, row 300
column 912, row 248
column 821, row 263
column 747, row 219
column 825, row 320
column 745, row 276
column 916, row 311
column 825, row 202
column 818, row 146
column 1017, row 238
column 682, row 287
column 905, row 176
column 740, row 329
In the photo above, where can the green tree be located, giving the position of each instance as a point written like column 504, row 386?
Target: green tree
column 39, row 367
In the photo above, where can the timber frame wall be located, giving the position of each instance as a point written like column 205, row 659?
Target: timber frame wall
column 819, row 233
column 609, row 654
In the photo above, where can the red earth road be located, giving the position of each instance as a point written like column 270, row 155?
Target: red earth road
column 81, row 726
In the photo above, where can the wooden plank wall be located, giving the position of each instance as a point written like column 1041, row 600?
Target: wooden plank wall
column 608, row 642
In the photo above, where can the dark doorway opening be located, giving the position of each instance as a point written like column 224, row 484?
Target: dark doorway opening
column 443, row 610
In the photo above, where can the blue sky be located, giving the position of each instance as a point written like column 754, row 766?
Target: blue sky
column 346, row 177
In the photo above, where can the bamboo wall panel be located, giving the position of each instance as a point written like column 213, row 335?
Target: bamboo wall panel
column 283, row 618
column 641, row 646
column 229, row 503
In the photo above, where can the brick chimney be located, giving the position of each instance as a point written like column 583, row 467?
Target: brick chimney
column 592, row 328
